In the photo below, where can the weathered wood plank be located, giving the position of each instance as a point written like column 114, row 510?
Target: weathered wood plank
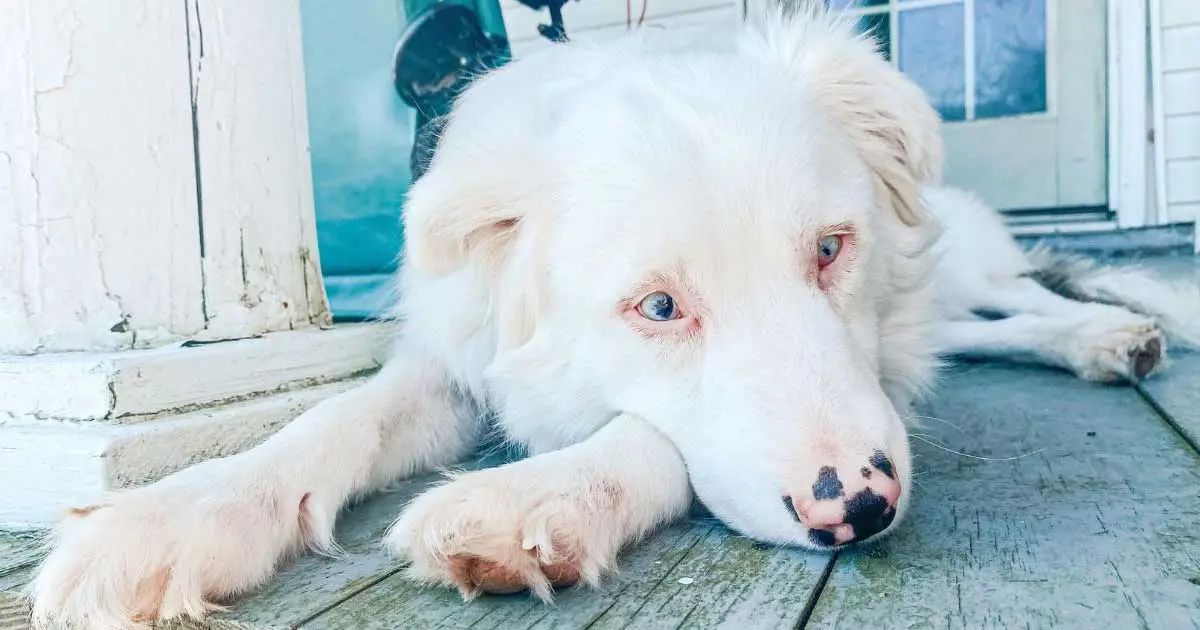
column 18, row 555
column 1093, row 527
column 399, row 603
column 692, row 575
column 1176, row 394
column 312, row 583
column 261, row 268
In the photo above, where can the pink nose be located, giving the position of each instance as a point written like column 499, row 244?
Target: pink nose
column 846, row 507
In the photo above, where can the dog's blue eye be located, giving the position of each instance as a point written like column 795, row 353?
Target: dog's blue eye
column 828, row 249
column 658, row 306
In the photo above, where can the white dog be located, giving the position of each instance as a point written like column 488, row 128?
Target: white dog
column 661, row 273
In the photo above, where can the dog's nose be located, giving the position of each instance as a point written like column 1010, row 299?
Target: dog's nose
column 843, row 507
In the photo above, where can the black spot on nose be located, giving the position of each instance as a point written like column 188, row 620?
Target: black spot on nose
column 822, row 537
column 880, row 461
column 868, row 513
column 866, row 472
column 828, row 486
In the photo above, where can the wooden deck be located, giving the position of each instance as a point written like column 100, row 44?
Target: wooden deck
column 1071, row 506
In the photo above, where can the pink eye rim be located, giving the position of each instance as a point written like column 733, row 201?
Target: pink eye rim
column 663, row 308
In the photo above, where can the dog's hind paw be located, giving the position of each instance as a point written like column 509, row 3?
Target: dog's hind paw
column 1121, row 347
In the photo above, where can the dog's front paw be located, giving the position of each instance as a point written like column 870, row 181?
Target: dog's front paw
column 507, row 529
column 169, row 549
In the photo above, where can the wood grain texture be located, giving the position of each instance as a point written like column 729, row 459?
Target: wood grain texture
column 691, row 575
column 18, row 554
column 261, row 268
column 1093, row 526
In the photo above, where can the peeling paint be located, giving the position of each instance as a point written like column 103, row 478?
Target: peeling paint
column 97, row 260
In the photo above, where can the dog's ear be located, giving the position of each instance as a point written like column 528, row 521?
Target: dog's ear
column 453, row 215
column 889, row 118
column 469, row 206
column 481, row 184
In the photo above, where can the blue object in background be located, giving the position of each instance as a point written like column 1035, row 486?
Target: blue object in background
column 1010, row 53
column 1009, row 47
column 932, row 53
column 361, row 137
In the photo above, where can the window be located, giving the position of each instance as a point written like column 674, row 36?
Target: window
column 976, row 59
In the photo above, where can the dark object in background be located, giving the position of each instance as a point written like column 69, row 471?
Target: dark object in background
column 555, row 31
column 439, row 53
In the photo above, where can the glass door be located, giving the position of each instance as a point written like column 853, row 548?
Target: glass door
column 1021, row 85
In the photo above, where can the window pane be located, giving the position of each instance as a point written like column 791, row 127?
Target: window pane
column 1010, row 57
column 931, row 53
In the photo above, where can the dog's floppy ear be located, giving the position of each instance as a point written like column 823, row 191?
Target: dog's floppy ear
column 481, row 184
column 889, row 118
column 453, row 215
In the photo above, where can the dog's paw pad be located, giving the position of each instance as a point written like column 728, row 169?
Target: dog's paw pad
column 1145, row 358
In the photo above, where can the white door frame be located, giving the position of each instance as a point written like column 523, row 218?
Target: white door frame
column 1129, row 122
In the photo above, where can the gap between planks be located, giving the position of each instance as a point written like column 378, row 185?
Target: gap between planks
column 1167, row 418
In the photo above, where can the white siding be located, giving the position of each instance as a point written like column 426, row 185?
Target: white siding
column 1182, row 89
column 1180, row 70
column 1181, row 136
column 606, row 19
column 1184, row 178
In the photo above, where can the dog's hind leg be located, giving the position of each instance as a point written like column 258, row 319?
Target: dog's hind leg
column 548, row 521
column 1000, row 302
column 221, row 527
column 1097, row 342
column 1174, row 305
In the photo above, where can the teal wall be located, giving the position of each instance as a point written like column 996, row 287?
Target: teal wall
column 360, row 135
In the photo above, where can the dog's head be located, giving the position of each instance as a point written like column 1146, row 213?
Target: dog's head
column 728, row 245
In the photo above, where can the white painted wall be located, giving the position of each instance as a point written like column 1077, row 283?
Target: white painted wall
column 154, row 174
column 1180, row 102
column 598, row 20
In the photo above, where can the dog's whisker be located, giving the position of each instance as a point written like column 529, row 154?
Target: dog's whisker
column 942, row 420
column 979, row 457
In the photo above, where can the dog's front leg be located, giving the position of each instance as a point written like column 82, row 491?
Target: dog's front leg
column 547, row 521
column 218, row 528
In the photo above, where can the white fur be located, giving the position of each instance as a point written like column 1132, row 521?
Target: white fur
column 564, row 182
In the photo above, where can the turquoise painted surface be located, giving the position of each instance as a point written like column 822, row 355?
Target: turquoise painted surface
column 360, row 136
